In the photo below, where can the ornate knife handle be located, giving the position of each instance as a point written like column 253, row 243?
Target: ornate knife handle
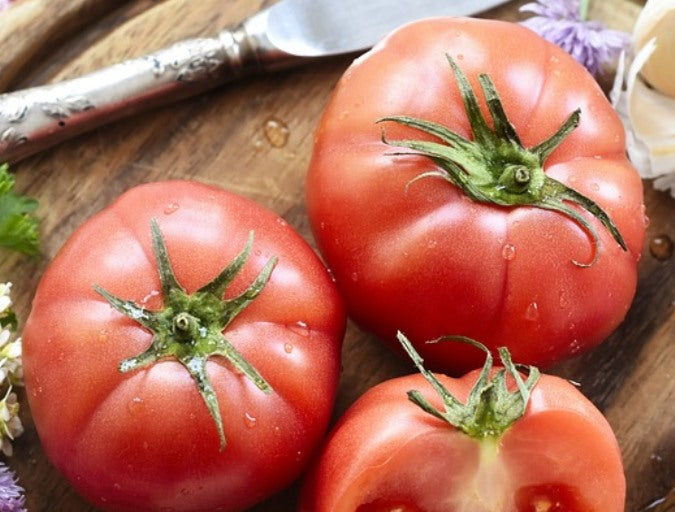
column 34, row 119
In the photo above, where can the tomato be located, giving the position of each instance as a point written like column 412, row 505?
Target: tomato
column 211, row 408
column 541, row 242
column 556, row 454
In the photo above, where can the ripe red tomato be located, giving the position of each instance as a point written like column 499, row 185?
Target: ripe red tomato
column 418, row 254
column 388, row 454
column 147, row 438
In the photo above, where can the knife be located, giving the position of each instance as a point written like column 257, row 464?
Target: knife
column 288, row 33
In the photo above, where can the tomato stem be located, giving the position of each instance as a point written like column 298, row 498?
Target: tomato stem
column 190, row 327
column 495, row 167
column 491, row 408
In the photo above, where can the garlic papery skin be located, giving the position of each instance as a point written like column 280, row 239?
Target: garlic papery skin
column 648, row 112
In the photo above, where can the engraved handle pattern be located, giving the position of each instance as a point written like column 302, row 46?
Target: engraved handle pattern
column 36, row 118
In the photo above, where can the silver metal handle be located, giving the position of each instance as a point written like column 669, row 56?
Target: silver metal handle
column 34, row 119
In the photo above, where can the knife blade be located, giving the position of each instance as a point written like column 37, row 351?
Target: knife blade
column 289, row 33
column 311, row 28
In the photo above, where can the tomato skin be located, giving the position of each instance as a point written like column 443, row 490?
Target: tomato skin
column 422, row 257
column 386, row 452
column 144, row 440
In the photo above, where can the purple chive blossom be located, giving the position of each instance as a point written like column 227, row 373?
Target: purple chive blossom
column 4, row 4
column 11, row 493
column 563, row 23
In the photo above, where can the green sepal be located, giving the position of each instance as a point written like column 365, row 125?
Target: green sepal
column 495, row 168
column 491, row 407
column 190, row 327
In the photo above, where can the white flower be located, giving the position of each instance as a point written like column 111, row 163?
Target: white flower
column 11, row 373
column 10, row 423
column 5, row 299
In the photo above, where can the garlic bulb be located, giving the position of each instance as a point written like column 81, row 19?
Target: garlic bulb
column 657, row 21
column 644, row 95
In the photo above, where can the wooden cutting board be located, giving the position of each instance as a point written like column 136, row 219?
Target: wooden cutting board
column 254, row 138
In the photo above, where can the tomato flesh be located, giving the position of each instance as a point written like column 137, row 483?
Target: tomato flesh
column 549, row 498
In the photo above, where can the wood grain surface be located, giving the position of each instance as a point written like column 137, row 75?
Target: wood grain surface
column 221, row 138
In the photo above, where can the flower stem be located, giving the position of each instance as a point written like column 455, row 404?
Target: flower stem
column 583, row 9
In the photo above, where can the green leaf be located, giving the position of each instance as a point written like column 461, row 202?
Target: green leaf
column 18, row 227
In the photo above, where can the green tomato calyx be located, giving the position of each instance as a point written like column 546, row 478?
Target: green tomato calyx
column 189, row 327
column 491, row 408
column 495, row 167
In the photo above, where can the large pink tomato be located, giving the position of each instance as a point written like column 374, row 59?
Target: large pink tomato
column 182, row 352
column 493, row 198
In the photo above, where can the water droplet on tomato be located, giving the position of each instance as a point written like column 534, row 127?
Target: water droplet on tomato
column 532, row 312
column 355, row 277
column 562, row 299
column 300, row 328
column 171, row 208
column 298, row 456
column 575, row 346
column 645, row 217
column 322, row 226
column 331, row 276
column 135, row 404
column 288, row 348
column 595, row 187
column 282, row 222
column 508, row 252
column 432, row 243
column 276, row 132
column 250, row 421
column 661, row 247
